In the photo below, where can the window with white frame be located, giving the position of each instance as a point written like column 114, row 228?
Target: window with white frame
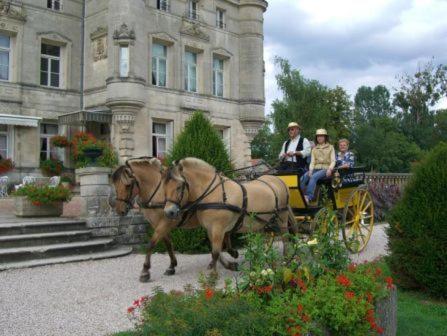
column 54, row 4
column 218, row 77
column 162, row 136
column 220, row 18
column 159, row 61
column 50, row 65
column 190, row 71
column 163, row 5
column 192, row 10
column 5, row 50
column 47, row 151
column 4, row 141
column 124, row 61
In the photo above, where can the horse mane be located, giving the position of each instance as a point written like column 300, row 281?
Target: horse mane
column 118, row 172
column 196, row 163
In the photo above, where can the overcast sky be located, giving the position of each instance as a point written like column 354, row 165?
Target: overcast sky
column 353, row 42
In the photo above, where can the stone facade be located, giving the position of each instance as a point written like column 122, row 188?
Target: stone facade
column 117, row 39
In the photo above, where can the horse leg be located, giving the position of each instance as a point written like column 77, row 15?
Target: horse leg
column 159, row 233
column 216, row 238
column 168, row 242
column 232, row 252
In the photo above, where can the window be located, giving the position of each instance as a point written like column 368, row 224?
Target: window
column 54, row 4
column 163, row 5
column 192, row 10
column 46, row 150
column 159, row 58
column 5, row 49
column 161, row 138
column 124, row 61
column 4, row 141
column 50, row 64
column 190, row 71
column 218, row 71
column 220, row 17
column 224, row 134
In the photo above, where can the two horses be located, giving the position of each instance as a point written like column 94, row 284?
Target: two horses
column 193, row 193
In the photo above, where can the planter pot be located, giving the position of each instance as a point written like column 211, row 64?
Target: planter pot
column 24, row 208
column 93, row 154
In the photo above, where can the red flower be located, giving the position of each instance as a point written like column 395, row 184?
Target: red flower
column 37, row 203
column 349, row 295
column 302, row 285
column 136, row 303
column 369, row 297
column 378, row 272
column 389, row 282
column 343, row 280
column 305, row 318
column 130, row 310
column 300, row 308
column 352, row 267
column 209, row 293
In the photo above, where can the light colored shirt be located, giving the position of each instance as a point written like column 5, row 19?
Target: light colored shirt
column 292, row 146
column 323, row 157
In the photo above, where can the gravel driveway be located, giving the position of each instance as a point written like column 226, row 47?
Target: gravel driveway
column 91, row 298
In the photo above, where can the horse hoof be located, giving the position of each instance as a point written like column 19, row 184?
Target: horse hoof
column 233, row 266
column 234, row 253
column 170, row 271
column 145, row 277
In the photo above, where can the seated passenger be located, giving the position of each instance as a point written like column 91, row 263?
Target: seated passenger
column 344, row 159
column 295, row 150
column 321, row 165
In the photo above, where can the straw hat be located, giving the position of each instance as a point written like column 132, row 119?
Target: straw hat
column 321, row 131
column 293, row 124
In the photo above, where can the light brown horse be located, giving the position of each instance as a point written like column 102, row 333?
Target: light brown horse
column 143, row 177
column 223, row 205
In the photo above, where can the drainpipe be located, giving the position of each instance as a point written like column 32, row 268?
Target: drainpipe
column 82, row 55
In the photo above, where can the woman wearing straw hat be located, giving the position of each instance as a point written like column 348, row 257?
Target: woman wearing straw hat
column 295, row 150
column 321, row 164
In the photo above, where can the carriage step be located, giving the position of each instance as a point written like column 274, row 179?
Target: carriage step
column 113, row 253
column 28, row 227
column 53, row 250
column 34, row 239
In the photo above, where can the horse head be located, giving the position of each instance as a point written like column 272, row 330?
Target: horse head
column 176, row 190
column 125, row 190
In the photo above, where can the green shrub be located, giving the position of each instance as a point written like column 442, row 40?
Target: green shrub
column 418, row 227
column 205, row 313
column 198, row 139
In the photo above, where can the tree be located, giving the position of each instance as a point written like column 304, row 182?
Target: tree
column 416, row 98
column 199, row 139
column 371, row 103
column 262, row 144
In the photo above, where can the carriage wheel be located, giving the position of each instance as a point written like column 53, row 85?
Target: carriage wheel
column 320, row 221
column 358, row 220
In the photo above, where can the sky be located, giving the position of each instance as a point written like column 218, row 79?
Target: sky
column 351, row 43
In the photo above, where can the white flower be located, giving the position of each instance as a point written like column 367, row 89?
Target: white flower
column 264, row 272
column 312, row 242
column 270, row 271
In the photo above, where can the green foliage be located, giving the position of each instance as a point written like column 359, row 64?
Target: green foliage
column 418, row 230
column 262, row 146
column 40, row 195
column 51, row 167
column 199, row 139
column 185, row 241
column 204, row 313
column 84, row 141
column 372, row 103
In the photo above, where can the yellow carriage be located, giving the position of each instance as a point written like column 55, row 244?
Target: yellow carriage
column 350, row 199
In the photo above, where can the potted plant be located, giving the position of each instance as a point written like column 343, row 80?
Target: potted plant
column 40, row 201
column 6, row 165
column 51, row 167
column 92, row 152
column 66, row 181
column 60, row 141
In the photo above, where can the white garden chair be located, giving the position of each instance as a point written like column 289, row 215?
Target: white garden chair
column 4, row 186
column 54, row 181
column 26, row 180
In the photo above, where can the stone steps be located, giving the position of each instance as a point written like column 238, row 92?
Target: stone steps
column 113, row 253
column 27, row 242
column 44, row 238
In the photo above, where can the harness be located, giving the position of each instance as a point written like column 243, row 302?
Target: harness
column 189, row 208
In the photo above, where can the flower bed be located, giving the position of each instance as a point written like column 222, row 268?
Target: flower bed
column 311, row 290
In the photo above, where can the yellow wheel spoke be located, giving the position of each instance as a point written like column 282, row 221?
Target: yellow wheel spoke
column 367, row 206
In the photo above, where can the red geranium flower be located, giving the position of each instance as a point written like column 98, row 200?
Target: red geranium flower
column 389, row 282
column 209, row 293
column 378, row 272
column 343, row 280
column 352, row 267
column 349, row 295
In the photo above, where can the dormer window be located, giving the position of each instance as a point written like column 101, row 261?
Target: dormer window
column 54, row 4
column 163, row 5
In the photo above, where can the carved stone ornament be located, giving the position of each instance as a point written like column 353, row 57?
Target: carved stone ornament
column 194, row 30
column 11, row 11
column 99, row 41
column 99, row 32
column 124, row 33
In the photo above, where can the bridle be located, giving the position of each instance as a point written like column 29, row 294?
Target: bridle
column 184, row 187
column 128, row 200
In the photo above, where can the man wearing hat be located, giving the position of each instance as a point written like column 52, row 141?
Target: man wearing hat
column 295, row 150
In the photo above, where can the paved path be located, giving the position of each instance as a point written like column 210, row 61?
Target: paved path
column 91, row 298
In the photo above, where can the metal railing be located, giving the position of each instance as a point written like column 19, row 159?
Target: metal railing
column 395, row 179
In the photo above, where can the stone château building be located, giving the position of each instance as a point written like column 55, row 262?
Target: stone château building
column 129, row 71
